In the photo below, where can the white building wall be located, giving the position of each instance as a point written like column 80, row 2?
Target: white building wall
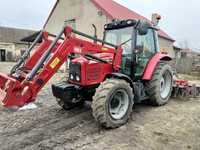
column 167, row 46
column 83, row 11
column 85, row 14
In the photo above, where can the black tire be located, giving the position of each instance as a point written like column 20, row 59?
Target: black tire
column 104, row 99
column 154, row 86
column 69, row 106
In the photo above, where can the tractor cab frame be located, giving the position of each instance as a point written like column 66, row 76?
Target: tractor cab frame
column 139, row 41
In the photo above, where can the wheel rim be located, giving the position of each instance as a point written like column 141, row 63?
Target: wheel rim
column 119, row 104
column 165, row 84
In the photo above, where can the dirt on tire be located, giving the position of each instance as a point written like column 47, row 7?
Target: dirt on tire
column 173, row 126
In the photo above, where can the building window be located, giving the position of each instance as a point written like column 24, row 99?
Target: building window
column 100, row 13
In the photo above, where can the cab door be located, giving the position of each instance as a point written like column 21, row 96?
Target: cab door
column 146, row 47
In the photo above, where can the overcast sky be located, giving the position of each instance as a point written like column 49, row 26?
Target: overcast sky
column 180, row 18
column 29, row 14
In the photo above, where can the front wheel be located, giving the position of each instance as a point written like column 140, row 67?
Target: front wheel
column 159, row 88
column 112, row 103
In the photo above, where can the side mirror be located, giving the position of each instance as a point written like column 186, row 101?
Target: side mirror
column 143, row 27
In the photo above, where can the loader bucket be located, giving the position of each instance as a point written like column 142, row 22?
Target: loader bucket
column 13, row 94
column 33, row 70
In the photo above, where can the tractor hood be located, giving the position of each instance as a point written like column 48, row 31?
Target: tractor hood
column 105, row 56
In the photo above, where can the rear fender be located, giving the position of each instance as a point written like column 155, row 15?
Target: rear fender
column 151, row 66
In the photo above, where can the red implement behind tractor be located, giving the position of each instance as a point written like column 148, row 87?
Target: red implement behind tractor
column 124, row 68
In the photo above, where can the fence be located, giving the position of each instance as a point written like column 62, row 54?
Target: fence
column 187, row 65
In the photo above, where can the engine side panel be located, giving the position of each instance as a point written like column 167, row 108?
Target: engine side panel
column 96, row 72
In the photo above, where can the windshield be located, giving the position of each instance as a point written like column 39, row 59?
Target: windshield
column 119, row 36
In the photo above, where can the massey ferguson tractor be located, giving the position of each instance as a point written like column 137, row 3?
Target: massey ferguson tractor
column 123, row 69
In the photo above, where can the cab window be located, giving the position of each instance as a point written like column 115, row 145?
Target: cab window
column 147, row 42
column 119, row 36
column 127, row 47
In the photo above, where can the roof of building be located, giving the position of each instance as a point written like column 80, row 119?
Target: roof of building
column 31, row 37
column 13, row 35
column 176, row 48
column 114, row 10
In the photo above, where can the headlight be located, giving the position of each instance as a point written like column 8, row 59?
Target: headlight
column 75, row 72
column 106, row 26
column 78, row 78
column 71, row 77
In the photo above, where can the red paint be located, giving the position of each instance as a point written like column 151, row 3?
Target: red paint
column 181, row 82
column 18, row 92
column 94, row 72
column 148, row 73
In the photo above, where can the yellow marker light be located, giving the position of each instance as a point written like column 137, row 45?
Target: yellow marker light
column 104, row 49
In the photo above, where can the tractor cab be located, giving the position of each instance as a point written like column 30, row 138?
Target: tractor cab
column 138, row 40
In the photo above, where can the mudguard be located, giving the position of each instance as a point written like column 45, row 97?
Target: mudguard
column 121, row 76
column 151, row 66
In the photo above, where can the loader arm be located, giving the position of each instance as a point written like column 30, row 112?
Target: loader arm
column 22, row 87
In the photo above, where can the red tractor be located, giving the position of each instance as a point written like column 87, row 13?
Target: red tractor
column 124, row 68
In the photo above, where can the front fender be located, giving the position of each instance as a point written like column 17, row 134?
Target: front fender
column 121, row 76
column 151, row 66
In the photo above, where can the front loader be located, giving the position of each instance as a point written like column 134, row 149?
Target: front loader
column 124, row 68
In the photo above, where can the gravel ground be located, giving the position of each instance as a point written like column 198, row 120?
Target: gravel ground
column 175, row 126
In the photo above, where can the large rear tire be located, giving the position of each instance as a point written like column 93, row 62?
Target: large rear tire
column 159, row 88
column 112, row 103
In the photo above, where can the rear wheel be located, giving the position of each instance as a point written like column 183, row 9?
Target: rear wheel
column 159, row 88
column 112, row 103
